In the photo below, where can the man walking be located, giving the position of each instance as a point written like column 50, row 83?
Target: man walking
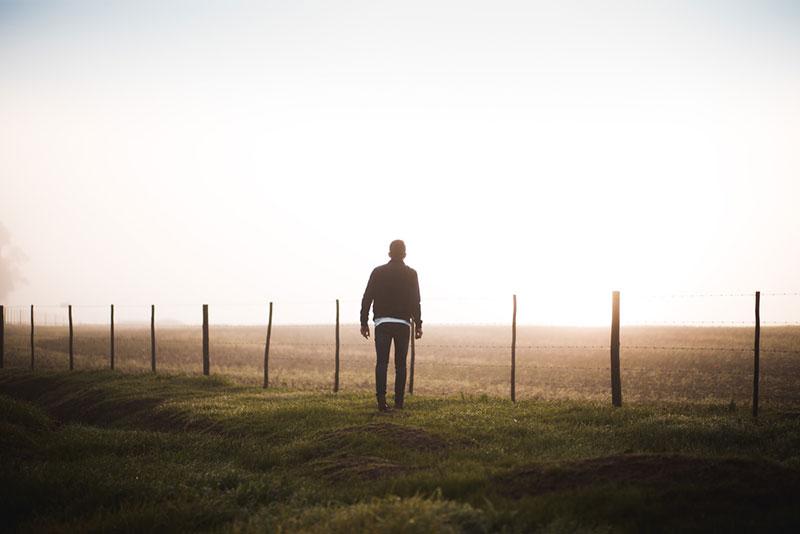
column 394, row 289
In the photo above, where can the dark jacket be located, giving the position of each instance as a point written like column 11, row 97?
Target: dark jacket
column 394, row 288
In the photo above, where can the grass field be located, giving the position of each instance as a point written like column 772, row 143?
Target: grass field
column 91, row 451
column 553, row 362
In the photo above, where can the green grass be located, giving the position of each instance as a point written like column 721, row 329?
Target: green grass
column 102, row 451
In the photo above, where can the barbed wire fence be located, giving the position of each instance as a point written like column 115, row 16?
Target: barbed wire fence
column 279, row 343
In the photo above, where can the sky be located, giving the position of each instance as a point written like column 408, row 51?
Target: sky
column 235, row 153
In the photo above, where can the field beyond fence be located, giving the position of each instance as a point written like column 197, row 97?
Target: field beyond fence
column 658, row 363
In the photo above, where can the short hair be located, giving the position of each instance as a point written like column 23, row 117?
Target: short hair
column 397, row 249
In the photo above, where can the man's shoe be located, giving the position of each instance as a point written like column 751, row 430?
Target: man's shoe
column 398, row 404
column 382, row 406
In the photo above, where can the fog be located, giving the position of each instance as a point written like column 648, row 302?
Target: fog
column 238, row 153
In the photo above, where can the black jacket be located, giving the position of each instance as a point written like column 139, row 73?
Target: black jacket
column 394, row 288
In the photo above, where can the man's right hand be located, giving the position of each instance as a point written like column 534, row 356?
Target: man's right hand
column 418, row 333
column 365, row 331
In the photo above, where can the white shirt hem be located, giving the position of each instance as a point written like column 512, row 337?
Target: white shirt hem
column 380, row 320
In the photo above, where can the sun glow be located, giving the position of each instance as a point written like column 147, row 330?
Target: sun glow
column 558, row 159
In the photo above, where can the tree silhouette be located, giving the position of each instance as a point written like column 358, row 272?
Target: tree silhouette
column 10, row 258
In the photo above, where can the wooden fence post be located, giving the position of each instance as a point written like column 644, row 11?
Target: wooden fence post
column 413, row 357
column 336, row 372
column 153, row 337
column 2, row 335
column 206, row 362
column 33, row 351
column 112, row 337
column 266, row 348
column 71, row 339
column 514, row 352
column 616, row 381
column 756, row 354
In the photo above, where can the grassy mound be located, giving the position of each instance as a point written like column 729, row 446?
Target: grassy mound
column 105, row 451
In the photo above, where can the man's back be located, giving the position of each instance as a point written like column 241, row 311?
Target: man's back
column 394, row 289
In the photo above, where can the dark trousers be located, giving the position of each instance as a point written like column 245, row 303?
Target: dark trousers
column 384, row 335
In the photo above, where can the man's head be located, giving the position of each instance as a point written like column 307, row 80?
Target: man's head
column 397, row 249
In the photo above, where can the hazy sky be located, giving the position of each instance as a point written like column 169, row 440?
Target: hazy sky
column 239, row 152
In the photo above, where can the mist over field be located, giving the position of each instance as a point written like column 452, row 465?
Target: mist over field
column 244, row 153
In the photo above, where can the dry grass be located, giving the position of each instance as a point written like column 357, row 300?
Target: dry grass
column 467, row 360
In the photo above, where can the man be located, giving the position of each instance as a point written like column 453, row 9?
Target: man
column 394, row 289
